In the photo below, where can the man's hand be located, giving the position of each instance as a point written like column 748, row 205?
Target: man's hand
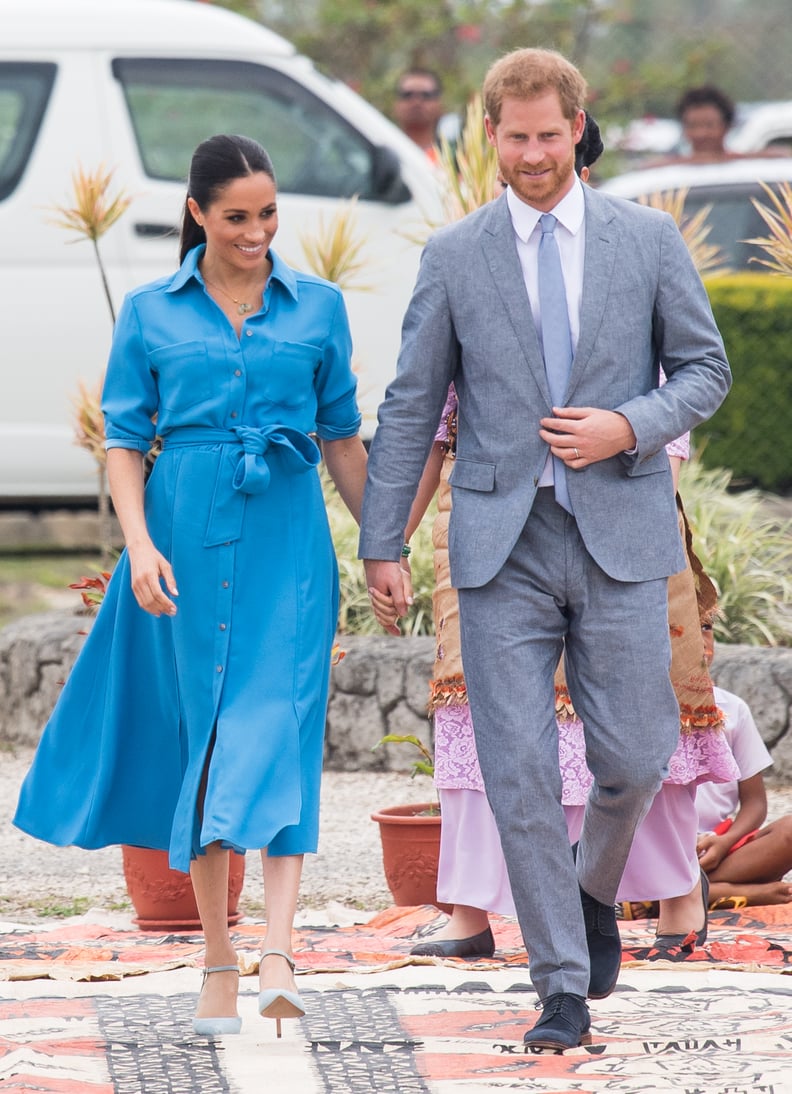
column 582, row 435
column 390, row 591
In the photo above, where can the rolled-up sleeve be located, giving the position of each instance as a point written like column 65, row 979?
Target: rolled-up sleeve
column 129, row 397
column 337, row 414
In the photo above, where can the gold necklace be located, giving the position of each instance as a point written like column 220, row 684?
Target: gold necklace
column 242, row 306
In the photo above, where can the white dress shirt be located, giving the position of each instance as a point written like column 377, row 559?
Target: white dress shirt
column 571, row 240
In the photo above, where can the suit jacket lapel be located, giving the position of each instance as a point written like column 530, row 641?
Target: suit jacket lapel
column 500, row 253
column 600, row 256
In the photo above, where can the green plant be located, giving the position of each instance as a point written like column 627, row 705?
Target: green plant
column 746, row 551
column 707, row 258
column 747, row 434
column 334, row 250
column 355, row 615
column 93, row 212
column 422, row 766
column 778, row 218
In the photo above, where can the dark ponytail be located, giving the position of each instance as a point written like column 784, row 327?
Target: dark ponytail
column 216, row 162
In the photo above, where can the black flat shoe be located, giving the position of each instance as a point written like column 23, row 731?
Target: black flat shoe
column 565, row 1023
column 686, row 943
column 478, row 945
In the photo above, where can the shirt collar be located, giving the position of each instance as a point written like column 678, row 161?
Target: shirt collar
column 189, row 269
column 569, row 211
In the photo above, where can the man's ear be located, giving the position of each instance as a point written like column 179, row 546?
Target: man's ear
column 489, row 129
column 578, row 126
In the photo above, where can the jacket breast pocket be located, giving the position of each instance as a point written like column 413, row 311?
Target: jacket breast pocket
column 184, row 375
column 287, row 377
column 472, row 475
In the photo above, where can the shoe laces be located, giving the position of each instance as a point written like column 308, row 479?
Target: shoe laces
column 561, row 1005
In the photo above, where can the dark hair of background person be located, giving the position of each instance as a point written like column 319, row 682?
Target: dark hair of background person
column 427, row 73
column 590, row 147
column 216, row 162
column 707, row 95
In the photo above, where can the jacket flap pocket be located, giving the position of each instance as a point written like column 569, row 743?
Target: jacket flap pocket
column 473, row 476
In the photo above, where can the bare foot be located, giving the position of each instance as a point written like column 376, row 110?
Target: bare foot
column 760, row 893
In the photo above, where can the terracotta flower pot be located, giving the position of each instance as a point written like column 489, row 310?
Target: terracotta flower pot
column 163, row 898
column 410, row 837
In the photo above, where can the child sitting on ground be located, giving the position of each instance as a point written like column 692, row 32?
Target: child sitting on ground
column 744, row 862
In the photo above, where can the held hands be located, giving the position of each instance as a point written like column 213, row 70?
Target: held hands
column 582, row 435
column 390, row 591
column 149, row 569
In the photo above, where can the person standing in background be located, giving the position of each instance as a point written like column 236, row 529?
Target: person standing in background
column 418, row 108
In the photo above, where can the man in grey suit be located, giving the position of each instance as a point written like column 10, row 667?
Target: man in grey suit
column 563, row 526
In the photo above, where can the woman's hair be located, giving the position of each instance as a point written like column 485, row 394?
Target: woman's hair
column 707, row 95
column 590, row 147
column 529, row 73
column 216, row 162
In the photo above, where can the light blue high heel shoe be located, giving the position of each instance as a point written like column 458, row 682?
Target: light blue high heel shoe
column 217, row 1027
column 278, row 1003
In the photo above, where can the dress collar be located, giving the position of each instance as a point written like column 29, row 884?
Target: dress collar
column 189, row 270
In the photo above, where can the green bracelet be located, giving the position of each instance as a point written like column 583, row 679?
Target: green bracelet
column 406, row 549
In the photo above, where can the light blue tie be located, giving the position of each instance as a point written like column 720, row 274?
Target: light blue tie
column 556, row 336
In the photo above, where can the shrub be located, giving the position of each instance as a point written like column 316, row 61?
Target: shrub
column 355, row 615
column 750, row 433
column 746, row 551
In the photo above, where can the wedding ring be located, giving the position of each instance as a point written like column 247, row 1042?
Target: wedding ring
column 577, row 454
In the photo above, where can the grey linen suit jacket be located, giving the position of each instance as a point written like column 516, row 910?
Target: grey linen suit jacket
column 469, row 320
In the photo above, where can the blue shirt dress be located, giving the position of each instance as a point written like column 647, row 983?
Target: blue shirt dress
column 234, row 686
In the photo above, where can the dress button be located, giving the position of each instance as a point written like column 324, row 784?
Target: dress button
column 249, row 333
column 222, row 626
column 219, row 668
column 238, row 372
column 234, row 414
column 225, row 584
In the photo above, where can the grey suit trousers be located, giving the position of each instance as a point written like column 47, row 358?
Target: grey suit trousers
column 550, row 596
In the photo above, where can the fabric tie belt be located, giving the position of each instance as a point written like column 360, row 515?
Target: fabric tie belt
column 244, row 468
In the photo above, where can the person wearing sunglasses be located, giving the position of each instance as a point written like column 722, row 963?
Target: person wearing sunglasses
column 418, row 107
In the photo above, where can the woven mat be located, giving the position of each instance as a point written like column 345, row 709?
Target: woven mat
column 750, row 940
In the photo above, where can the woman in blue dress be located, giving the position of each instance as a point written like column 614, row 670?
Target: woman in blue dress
column 193, row 719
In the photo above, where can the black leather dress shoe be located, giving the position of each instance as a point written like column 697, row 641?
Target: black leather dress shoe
column 685, row 943
column 604, row 945
column 478, row 945
column 565, row 1023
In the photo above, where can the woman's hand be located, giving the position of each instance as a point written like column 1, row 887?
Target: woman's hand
column 390, row 592
column 149, row 570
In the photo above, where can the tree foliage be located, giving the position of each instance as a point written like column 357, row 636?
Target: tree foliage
column 638, row 55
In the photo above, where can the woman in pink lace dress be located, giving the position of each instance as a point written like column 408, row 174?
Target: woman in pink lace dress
column 663, row 865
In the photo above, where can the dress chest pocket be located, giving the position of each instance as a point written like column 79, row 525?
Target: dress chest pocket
column 184, row 375
column 287, row 374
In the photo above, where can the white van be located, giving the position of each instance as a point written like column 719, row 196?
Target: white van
column 135, row 85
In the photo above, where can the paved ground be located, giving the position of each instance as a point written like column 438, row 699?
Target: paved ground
column 37, row 880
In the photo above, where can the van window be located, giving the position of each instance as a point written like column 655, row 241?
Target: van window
column 24, row 91
column 175, row 104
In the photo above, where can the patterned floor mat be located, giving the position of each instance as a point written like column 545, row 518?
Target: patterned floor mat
column 751, row 939
column 441, row 1037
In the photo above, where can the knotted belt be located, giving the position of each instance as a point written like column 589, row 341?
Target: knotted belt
column 243, row 468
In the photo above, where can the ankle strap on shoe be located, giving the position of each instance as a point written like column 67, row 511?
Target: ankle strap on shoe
column 278, row 953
